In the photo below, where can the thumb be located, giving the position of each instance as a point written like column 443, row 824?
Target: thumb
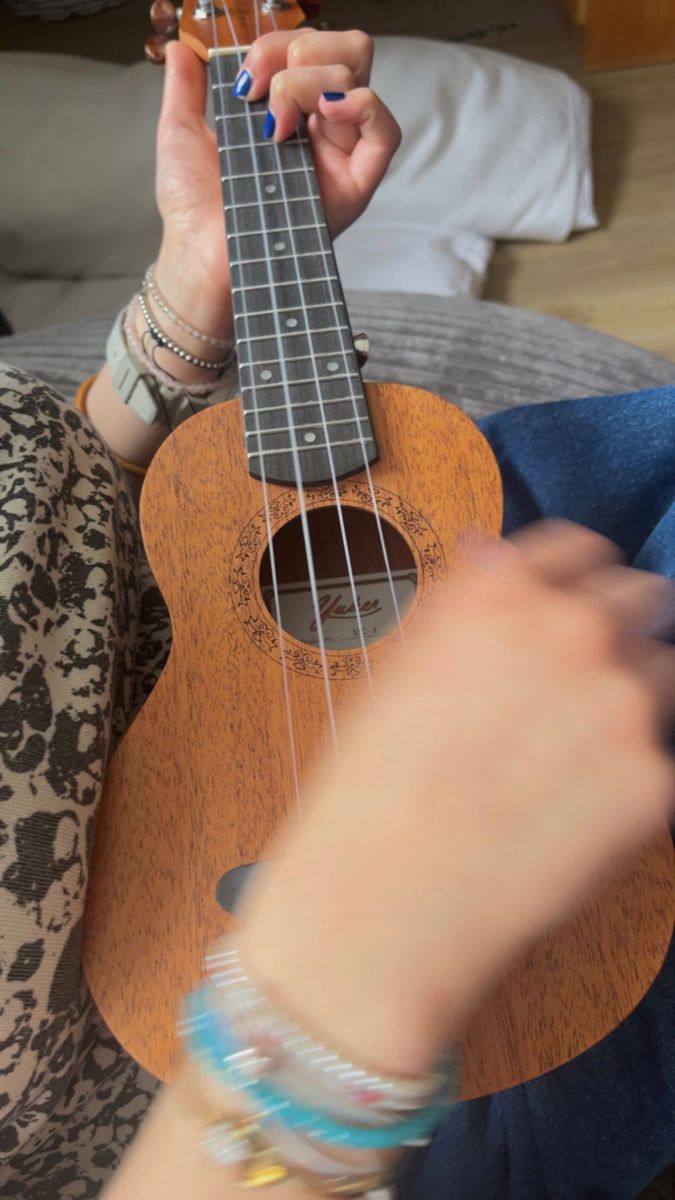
column 184, row 96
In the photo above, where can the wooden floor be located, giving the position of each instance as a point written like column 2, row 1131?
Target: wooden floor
column 619, row 279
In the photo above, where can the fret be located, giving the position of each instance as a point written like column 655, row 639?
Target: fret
column 263, row 387
column 236, row 116
column 266, row 145
column 353, row 399
column 268, row 258
column 293, row 308
column 312, row 425
column 276, row 229
column 268, row 337
column 254, row 287
column 266, row 203
column 300, row 449
column 257, row 174
column 264, row 362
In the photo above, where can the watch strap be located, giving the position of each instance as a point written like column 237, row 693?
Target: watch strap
column 149, row 398
column 128, row 377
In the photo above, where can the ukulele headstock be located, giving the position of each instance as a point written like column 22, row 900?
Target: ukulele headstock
column 205, row 25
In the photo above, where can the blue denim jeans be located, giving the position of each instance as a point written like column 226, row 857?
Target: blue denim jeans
column 603, row 1125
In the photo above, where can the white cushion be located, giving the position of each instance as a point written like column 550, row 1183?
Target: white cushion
column 490, row 143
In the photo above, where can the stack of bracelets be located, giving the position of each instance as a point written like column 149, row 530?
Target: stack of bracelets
column 160, row 339
column 163, row 398
column 302, row 1103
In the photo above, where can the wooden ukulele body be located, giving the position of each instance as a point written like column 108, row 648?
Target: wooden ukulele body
column 204, row 776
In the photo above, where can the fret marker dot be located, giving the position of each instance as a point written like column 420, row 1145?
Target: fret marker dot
column 332, row 366
column 271, row 188
column 279, row 245
column 310, row 437
column 292, row 322
column 265, row 375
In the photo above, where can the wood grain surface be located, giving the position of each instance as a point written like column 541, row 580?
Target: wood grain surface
column 203, row 777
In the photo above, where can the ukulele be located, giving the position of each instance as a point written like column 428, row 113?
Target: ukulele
column 297, row 535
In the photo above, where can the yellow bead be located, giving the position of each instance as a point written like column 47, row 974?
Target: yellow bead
column 263, row 1176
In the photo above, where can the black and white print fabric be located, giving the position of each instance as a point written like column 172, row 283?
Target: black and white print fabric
column 83, row 635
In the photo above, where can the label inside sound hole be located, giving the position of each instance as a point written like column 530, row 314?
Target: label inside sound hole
column 375, row 598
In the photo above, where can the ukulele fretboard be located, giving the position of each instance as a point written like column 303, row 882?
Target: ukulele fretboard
column 306, row 417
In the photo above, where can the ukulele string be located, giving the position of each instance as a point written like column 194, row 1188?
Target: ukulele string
column 284, row 383
column 326, row 431
column 320, row 404
column 216, row 65
column 344, row 349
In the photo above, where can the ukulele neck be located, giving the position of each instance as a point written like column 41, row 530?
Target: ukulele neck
column 305, row 413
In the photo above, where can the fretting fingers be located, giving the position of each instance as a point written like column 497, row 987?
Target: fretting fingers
column 378, row 136
column 324, row 76
column 297, row 91
column 303, row 48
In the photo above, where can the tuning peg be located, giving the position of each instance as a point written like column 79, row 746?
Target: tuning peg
column 164, row 17
column 155, row 48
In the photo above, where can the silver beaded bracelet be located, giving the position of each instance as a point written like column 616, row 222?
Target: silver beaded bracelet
column 162, row 340
column 150, row 285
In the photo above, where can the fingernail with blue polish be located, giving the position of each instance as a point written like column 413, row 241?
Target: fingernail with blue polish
column 242, row 84
column 334, row 95
column 269, row 126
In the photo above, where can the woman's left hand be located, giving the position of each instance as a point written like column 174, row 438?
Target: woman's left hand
column 353, row 141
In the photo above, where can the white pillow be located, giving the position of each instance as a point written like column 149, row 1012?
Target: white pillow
column 490, row 143
column 400, row 256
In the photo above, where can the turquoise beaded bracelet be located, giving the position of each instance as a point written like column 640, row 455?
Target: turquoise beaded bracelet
column 210, row 1041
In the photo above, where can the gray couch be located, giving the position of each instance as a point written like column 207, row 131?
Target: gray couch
column 479, row 355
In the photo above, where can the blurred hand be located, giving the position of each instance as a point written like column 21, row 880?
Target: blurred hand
column 513, row 755
column 353, row 141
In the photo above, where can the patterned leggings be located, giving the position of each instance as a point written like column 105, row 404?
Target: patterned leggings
column 83, row 635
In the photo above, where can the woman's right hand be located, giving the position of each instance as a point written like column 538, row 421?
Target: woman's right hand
column 512, row 756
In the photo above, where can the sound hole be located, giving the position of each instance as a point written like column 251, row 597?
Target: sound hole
column 378, row 578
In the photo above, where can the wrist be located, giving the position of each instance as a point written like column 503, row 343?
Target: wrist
column 325, row 971
column 370, row 974
column 200, row 297
column 123, row 431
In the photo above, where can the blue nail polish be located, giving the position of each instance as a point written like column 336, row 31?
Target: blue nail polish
column 242, row 84
column 269, row 126
column 334, row 95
